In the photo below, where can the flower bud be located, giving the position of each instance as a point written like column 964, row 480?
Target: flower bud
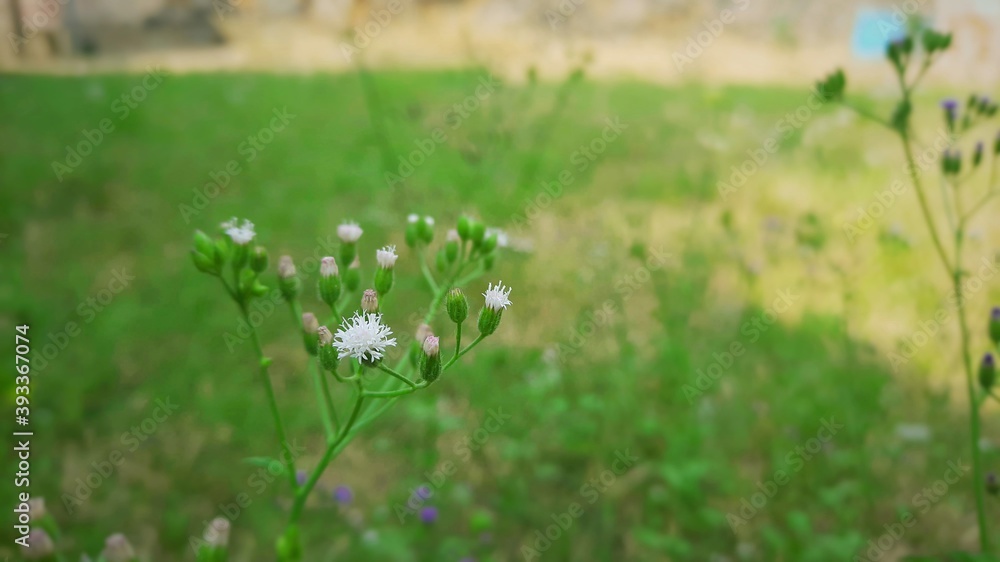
column 329, row 281
column 488, row 262
column 451, row 246
column 310, row 332
column 386, row 258
column 258, row 259
column 204, row 263
column 369, row 302
column 987, row 372
column 204, row 245
column 327, row 353
column 217, row 533
column 463, row 227
column 425, row 229
column 477, row 231
column 441, row 261
column 994, row 326
column 352, row 277
column 118, row 549
column 977, row 154
column 288, row 281
column 36, row 507
column 457, row 305
column 950, row 107
column 490, row 242
column 40, row 545
column 412, row 236
column 996, row 145
column 430, row 361
column 349, row 233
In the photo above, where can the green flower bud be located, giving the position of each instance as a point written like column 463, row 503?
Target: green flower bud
column 327, row 353
column 329, row 283
column 987, row 372
column 204, row 263
column 247, row 281
column 310, row 332
column 490, row 242
column 289, row 545
column 441, row 261
column 996, row 145
column 477, row 231
column 412, row 236
column 288, row 281
column 457, row 305
column 489, row 320
column 222, row 251
column 488, row 262
column 383, row 280
column 451, row 246
column 994, row 328
column 977, row 154
column 352, row 277
column 369, row 302
column 430, row 360
column 425, row 229
column 258, row 259
column 463, row 227
column 203, row 244
column 259, row 289
column 992, row 484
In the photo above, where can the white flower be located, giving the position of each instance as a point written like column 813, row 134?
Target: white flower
column 452, row 236
column 496, row 297
column 502, row 240
column 363, row 337
column 429, row 221
column 240, row 234
column 386, row 257
column 349, row 232
column 412, row 218
column 328, row 267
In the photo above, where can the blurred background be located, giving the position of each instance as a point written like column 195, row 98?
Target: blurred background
column 714, row 275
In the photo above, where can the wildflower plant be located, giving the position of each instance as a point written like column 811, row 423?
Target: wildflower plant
column 968, row 184
column 350, row 352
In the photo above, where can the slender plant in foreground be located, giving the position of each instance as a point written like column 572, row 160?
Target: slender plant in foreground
column 354, row 359
column 911, row 56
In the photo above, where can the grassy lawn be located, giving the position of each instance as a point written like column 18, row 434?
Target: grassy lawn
column 632, row 277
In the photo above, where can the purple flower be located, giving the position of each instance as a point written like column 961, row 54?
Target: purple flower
column 429, row 514
column 988, row 361
column 995, row 313
column 343, row 494
column 950, row 105
column 423, row 492
column 300, row 477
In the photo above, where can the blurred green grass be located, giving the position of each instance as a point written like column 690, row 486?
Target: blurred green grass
column 162, row 337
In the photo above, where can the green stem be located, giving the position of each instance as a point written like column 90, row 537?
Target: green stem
column 474, row 343
column 426, row 270
column 922, row 199
column 329, row 397
column 458, row 341
column 396, row 375
column 333, row 447
column 272, row 401
column 392, row 393
column 324, row 403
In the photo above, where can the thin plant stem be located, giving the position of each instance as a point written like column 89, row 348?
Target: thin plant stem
column 272, row 401
column 458, row 340
column 396, row 375
column 324, row 406
column 474, row 343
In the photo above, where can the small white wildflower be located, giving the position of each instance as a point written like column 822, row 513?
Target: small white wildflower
column 496, row 297
column 217, row 532
column 349, row 232
column 429, row 221
column 328, row 267
column 412, row 218
column 452, row 236
column 431, row 345
column 363, row 337
column 241, row 234
column 386, row 257
column 286, row 267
